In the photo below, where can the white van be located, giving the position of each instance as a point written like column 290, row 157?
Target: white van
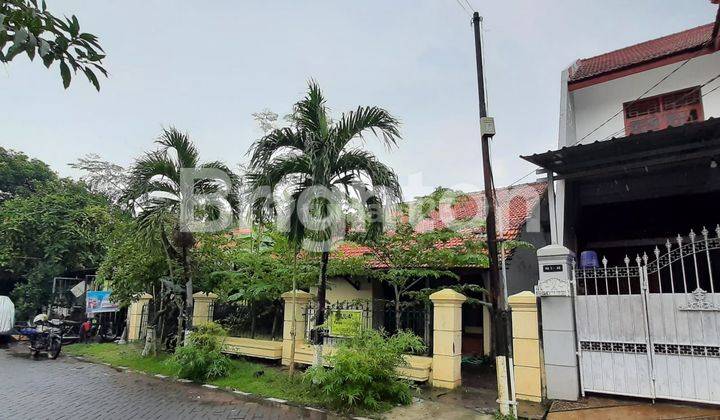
column 7, row 315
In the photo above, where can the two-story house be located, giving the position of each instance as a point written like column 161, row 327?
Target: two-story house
column 636, row 179
column 638, row 143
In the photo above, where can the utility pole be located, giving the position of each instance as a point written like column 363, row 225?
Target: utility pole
column 500, row 318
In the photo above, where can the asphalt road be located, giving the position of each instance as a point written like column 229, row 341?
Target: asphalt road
column 70, row 389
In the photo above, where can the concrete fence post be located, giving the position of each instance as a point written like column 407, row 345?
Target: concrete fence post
column 300, row 303
column 555, row 290
column 203, row 304
column 135, row 315
column 447, row 338
column 526, row 346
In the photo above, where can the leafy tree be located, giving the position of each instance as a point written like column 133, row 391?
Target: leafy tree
column 411, row 257
column 21, row 175
column 58, row 229
column 156, row 190
column 431, row 203
column 103, row 177
column 26, row 27
column 133, row 264
column 317, row 152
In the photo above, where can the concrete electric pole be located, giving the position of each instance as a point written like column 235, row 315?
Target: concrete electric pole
column 500, row 314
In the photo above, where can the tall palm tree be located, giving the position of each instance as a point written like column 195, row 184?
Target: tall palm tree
column 155, row 190
column 318, row 152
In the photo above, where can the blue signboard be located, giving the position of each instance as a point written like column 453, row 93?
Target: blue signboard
column 99, row 302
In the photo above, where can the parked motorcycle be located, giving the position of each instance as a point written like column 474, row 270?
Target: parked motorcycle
column 45, row 337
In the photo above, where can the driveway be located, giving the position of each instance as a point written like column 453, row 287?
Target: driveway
column 69, row 389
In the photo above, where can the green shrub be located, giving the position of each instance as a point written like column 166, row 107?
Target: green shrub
column 363, row 373
column 200, row 358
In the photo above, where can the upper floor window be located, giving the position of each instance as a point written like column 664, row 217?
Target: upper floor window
column 662, row 111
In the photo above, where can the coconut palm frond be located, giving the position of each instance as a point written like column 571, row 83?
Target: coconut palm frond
column 276, row 141
column 363, row 163
column 374, row 119
column 310, row 114
column 187, row 153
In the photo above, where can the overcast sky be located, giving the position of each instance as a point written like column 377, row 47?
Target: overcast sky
column 206, row 66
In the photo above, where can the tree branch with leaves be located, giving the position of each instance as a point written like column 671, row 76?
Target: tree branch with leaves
column 30, row 28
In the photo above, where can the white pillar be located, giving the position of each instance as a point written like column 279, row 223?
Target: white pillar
column 556, row 293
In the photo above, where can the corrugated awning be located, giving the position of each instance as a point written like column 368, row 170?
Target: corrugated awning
column 695, row 142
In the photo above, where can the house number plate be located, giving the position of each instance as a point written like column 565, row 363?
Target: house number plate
column 552, row 268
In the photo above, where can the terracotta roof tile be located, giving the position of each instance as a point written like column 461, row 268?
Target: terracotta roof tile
column 688, row 40
column 514, row 208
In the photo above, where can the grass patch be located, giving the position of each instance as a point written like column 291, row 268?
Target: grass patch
column 121, row 355
column 244, row 375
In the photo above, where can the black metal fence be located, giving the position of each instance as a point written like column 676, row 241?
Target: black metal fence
column 342, row 318
column 250, row 319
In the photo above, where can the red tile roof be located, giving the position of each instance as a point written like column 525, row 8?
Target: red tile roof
column 685, row 41
column 514, row 208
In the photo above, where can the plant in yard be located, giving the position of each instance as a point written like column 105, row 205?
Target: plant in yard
column 28, row 27
column 314, row 156
column 160, row 193
column 364, row 371
column 201, row 358
column 412, row 257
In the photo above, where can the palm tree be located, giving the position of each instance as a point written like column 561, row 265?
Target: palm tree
column 156, row 191
column 318, row 152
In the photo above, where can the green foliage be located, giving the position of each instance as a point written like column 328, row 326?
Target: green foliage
column 500, row 416
column 243, row 374
column 155, row 186
column 133, row 264
column 20, row 175
column 364, row 371
column 60, row 228
column 213, row 253
column 26, row 27
column 201, row 358
column 263, row 274
column 415, row 256
column 317, row 152
column 428, row 204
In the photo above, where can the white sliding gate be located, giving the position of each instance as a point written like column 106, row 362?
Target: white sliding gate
column 651, row 328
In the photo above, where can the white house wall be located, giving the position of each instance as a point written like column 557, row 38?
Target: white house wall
column 594, row 104
column 583, row 110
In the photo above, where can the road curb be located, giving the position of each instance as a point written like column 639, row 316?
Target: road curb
column 248, row 396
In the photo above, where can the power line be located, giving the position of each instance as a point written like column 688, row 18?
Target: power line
column 470, row 6
column 633, row 102
column 463, row 7
column 658, row 83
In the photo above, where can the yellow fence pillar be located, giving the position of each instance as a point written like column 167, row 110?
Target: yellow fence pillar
column 299, row 303
column 136, row 312
column 203, row 304
column 526, row 346
column 447, row 338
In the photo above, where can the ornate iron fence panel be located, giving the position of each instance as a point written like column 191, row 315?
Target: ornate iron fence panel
column 261, row 320
column 342, row 317
column 651, row 328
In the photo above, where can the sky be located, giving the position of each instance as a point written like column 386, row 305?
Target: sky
column 205, row 67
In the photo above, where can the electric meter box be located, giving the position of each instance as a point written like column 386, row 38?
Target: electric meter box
column 487, row 126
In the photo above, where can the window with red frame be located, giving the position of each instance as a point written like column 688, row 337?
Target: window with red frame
column 663, row 111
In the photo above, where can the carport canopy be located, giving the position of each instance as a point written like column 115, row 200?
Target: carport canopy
column 675, row 146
